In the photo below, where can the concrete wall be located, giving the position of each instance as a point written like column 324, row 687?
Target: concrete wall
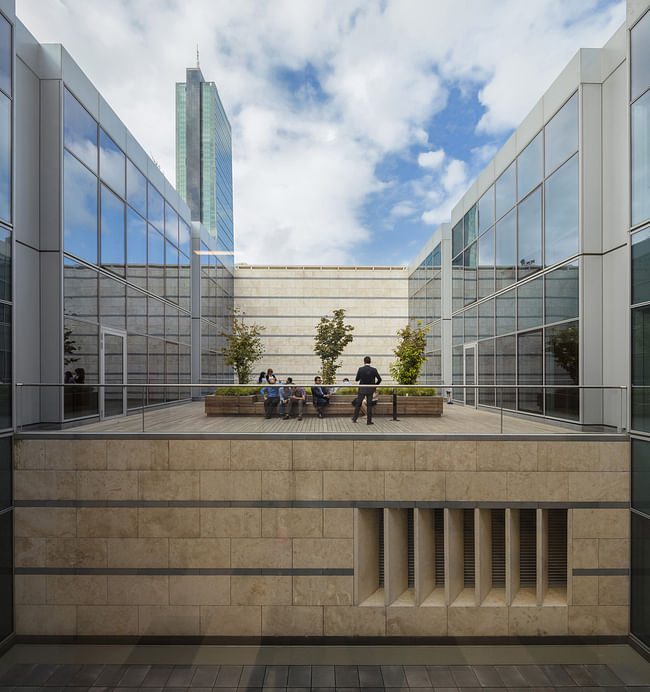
column 99, row 552
column 289, row 302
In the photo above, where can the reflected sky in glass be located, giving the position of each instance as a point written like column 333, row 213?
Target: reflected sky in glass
column 486, row 210
column 79, row 131
column 156, row 211
column 112, row 231
column 184, row 237
column 561, row 138
column 111, row 163
column 136, row 188
column 171, row 224
column 506, row 190
column 640, row 56
column 79, row 210
column 506, row 249
column 5, row 158
column 530, row 166
column 641, row 159
column 561, row 211
column 156, row 250
column 529, row 232
column 5, row 55
column 470, row 225
column 5, row 264
column 136, row 238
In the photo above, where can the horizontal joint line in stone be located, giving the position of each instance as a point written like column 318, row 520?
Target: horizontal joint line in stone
column 182, row 571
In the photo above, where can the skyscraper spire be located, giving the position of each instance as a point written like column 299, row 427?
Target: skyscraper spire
column 197, row 57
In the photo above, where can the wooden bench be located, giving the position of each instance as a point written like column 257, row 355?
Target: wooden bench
column 340, row 405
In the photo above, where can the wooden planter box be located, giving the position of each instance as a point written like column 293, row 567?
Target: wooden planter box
column 340, row 405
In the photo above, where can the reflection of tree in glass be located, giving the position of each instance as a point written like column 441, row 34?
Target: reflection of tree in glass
column 69, row 347
column 563, row 346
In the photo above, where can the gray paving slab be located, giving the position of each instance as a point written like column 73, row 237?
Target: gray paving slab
column 252, row 677
column 39, row 675
column 276, row 676
column 535, row 676
column 511, row 676
column 157, row 676
column 488, row 676
column 109, row 676
column 299, row 676
column 557, row 675
column 228, row 676
column 133, row 676
column 604, row 675
column 346, row 676
column 394, row 676
column 204, row 676
column 86, row 676
column 464, row 676
column 181, row 676
column 322, row 677
column 370, row 676
column 440, row 676
column 417, row 677
column 580, row 676
column 16, row 674
column 628, row 675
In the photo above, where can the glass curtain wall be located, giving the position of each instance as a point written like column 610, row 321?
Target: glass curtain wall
column 6, row 234
column 425, row 286
column 640, row 277
column 126, row 267
column 513, row 292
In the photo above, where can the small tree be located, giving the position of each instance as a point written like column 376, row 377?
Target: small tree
column 409, row 354
column 243, row 346
column 332, row 336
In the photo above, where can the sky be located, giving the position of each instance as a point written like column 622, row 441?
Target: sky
column 357, row 125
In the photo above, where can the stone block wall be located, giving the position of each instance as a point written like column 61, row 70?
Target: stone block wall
column 266, row 537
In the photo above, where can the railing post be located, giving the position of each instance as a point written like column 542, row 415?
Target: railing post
column 395, row 404
column 621, row 422
column 144, row 388
column 501, row 429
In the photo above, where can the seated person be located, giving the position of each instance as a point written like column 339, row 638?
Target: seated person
column 345, row 383
column 271, row 397
column 375, row 399
column 285, row 395
column 297, row 398
column 320, row 396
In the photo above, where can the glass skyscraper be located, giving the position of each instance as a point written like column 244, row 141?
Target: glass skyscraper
column 204, row 158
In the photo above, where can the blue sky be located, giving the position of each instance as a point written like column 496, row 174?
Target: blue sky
column 357, row 124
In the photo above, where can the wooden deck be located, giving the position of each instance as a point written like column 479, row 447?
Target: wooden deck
column 190, row 418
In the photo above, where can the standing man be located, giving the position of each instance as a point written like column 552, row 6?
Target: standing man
column 366, row 375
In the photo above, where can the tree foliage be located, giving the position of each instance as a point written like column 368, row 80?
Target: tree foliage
column 563, row 346
column 243, row 345
column 332, row 336
column 409, row 354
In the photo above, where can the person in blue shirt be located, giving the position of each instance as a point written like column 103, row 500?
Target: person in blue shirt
column 271, row 396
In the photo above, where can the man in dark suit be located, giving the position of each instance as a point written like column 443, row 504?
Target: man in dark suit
column 320, row 396
column 366, row 375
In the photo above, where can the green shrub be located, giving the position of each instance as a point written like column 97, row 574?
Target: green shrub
column 411, row 391
column 236, row 391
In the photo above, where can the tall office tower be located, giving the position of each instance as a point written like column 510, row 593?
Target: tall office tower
column 204, row 157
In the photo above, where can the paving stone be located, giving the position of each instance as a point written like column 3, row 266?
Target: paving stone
column 417, row 676
column 440, row 676
column 109, row 676
column 181, row 676
column 276, row 676
column 322, row 677
column 535, row 676
column 228, row 676
column 322, row 689
column 299, row 689
column 299, row 676
column 488, row 676
column 580, row 676
column 511, row 676
column 87, row 675
column 39, row 675
column 393, row 676
column 204, row 676
column 157, row 676
column 604, row 676
column 557, row 675
column 16, row 674
column 346, row 676
column 370, row 676
column 464, row 676
column 252, row 676
column 133, row 676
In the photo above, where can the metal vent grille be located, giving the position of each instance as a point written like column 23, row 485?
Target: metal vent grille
column 468, row 548
column 380, row 547
column 439, row 546
column 498, row 548
column 557, row 548
column 410, row 548
column 527, row 548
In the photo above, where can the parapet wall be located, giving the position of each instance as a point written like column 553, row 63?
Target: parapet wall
column 249, row 538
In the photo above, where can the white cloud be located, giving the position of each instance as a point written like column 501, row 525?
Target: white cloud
column 304, row 162
column 431, row 159
column 403, row 209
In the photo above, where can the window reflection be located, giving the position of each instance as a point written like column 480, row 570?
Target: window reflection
column 111, row 163
column 5, row 158
column 530, row 308
column 79, row 210
column 486, row 319
column 5, row 366
column 506, row 250
column 5, row 264
column 81, row 367
column 505, row 312
column 561, row 212
column 112, row 302
column 80, row 291
column 561, row 286
column 79, row 131
column 457, row 238
column 640, row 55
column 505, row 191
column 562, row 368
column 136, row 248
column 136, row 311
column 171, row 224
column 486, row 264
column 155, row 208
column 469, row 223
column 641, row 369
column 156, row 262
column 184, row 237
column 112, row 232
column 530, row 368
column 486, row 371
column 530, row 166
column 469, row 260
column 486, row 210
column 641, row 159
column 561, row 134
column 506, row 370
column 641, row 266
column 5, row 55
column 171, row 272
column 529, row 234
column 136, row 188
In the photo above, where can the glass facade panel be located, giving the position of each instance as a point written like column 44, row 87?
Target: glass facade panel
column 136, row 312
column 136, row 188
column 5, row 473
column 506, row 191
column 506, row 250
column 486, row 264
column 155, row 208
column 469, row 223
column 136, row 248
column 641, row 266
column 156, row 262
column 470, row 325
column 562, row 367
column 5, row 58
column 470, row 274
column 561, row 209
column 5, row 366
column 79, row 210
column 506, row 370
column 641, row 476
column 641, row 369
column 112, row 302
column 171, row 273
column 530, row 304
column 486, row 397
column 486, row 320
column 112, row 232
column 6, row 575
column 111, row 163
column 457, row 238
column 530, row 166
column 506, row 313
column 5, row 264
column 561, row 135
column 640, row 55
column 184, row 237
column 79, row 131
column 640, row 578
column 530, row 370
column 171, row 225
column 561, row 288
column 80, row 294
column 641, row 159
column 486, row 210
column 529, row 234
column 5, row 158
column 81, row 364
